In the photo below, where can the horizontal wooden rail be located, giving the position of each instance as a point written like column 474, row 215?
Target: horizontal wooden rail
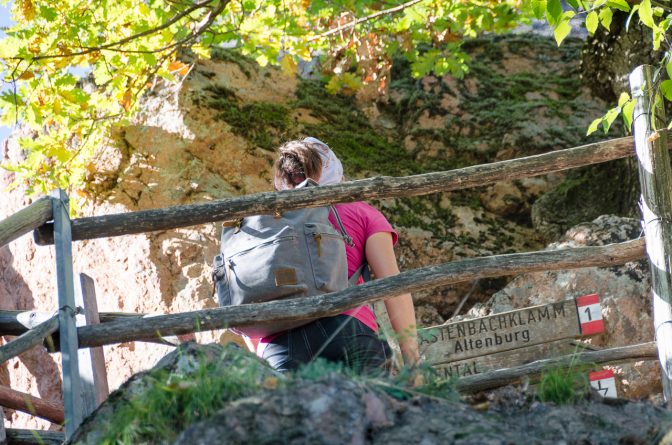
column 16, row 436
column 31, row 338
column 379, row 187
column 35, row 406
column 18, row 322
column 337, row 302
column 501, row 377
column 25, row 220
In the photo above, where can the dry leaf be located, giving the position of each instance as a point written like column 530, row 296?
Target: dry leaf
column 127, row 101
column 177, row 67
column 654, row 136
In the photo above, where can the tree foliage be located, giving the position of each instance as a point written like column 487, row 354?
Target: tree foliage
column 75, row 68
column 655, row 15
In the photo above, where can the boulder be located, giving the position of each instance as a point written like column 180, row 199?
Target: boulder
column 624, row 291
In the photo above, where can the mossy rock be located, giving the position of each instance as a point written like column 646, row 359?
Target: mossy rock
column 586, row 193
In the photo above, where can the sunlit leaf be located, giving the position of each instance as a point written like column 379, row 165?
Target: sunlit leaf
column 592, row 22
column 646, row 14
column 561, row 31
column 627, row 111
column 592, row 128
column 289, row 65
column 666, row 89
column 605, row 17
column 619, row 4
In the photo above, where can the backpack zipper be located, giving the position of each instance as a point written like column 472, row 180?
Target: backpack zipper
column 267, row 243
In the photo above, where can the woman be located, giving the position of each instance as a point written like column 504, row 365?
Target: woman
column 351, row 337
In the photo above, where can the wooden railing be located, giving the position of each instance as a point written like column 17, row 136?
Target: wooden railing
column 120, row 328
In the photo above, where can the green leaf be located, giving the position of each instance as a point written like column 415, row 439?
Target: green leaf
column 605, row 17
column 538, row 8
column 627, row 110
column 553, row 11
column 621, row 5
column 592, row 22
column 561, row 31
column 592, row 128
column 610, row 117
column 666, row 89
column 623, row 98
column 646, row 14
column 573, row 3
column 632, row 12
column 668, row 68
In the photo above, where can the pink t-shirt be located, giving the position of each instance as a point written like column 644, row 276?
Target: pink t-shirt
column 360, row 221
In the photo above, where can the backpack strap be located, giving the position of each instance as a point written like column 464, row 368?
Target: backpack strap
column 347, row 238
column 363, row 272
column 309, row 182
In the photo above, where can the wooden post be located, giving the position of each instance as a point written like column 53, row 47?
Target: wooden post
column 91, row 360
column 72, row 402
column 655, row 176
column 3, row 433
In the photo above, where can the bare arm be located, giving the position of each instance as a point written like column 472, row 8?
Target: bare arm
column 380, row 256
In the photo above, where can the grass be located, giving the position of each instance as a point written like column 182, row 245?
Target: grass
column 171, row 401
column 565, row 385
column 163, row 403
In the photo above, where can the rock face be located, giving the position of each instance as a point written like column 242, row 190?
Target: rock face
column 212, row 137
column 330, row 408
column 625, row 297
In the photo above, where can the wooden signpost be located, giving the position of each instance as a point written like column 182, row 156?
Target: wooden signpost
column 510, row 338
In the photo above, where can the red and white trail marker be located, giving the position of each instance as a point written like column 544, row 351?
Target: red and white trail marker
column 590, row 314
column 604, row 382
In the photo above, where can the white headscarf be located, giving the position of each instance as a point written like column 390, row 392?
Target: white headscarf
column 332, row 169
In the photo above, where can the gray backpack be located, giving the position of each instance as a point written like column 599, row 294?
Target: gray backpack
column 266, row 257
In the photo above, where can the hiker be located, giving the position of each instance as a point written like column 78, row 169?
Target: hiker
column 351, row 337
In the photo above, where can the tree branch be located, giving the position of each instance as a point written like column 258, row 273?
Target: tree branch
column 356, row 22
column 111, row 46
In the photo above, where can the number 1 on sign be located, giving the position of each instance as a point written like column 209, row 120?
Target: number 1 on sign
column 587, row 311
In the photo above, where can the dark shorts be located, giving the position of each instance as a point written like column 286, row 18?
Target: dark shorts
column 337, row 339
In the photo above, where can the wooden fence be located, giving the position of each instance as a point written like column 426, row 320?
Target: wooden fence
column 48, row 218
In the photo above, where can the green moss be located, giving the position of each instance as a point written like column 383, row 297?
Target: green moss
column 349, row 133
column 263, row 124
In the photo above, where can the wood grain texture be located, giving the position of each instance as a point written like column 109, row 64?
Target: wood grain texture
column 25, row 220
column 334, row 303
column 505, row 359
column 379, row 188
column 501, row 377
column 35, row 406
column 476, row 337
column 29, row 339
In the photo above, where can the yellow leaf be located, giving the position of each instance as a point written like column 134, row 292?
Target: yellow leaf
column 304, row 53
column 57, row 106
column 68, row 95
column 27, row 9
column 289, row 65
column 127, row 101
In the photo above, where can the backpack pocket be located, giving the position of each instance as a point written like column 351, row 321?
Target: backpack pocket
column 326, row 251
column 269, row 270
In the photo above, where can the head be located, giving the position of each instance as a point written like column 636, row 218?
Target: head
column 307, row 158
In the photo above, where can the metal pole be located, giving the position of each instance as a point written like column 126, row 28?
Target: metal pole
column 72, row 402
column 655, row 176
